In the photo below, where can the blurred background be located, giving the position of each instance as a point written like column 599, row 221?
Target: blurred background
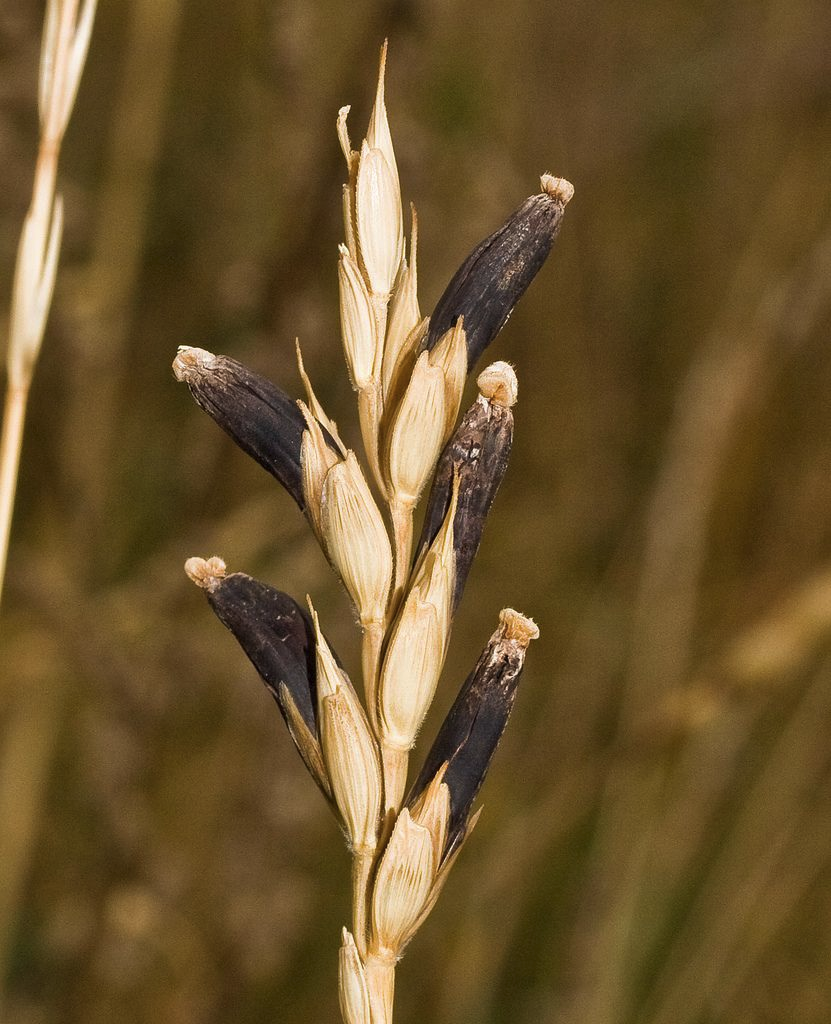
column 656, row 842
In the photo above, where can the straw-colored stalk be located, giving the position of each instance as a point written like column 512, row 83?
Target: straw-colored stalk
column 66, row 38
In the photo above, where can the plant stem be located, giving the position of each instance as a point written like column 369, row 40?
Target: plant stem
column 361, row 869
column 394, row 764
column 370, row 407
column 401, row 513
column 372, row 641
column 380, row 980
column 11, row 440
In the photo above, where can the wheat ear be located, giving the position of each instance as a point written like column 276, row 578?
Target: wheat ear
column 409, row 373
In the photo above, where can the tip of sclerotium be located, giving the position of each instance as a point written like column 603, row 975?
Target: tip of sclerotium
column 557, row 188
column 206, row 573
column 518, row 627
column 189, row 360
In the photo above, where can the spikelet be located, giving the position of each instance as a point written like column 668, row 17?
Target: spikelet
column 418, row 644
column 377, row 201
column 402, row 884
column 358, row 324
column 349, row 749
column 417, row 432
column 450, row 355
column 404, row 317
column 356, row 539
column 316, row 459
column 378, row 219
column 474, row 725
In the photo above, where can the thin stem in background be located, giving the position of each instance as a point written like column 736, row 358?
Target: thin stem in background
column 66, row 38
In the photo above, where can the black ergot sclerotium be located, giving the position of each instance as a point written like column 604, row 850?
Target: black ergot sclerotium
column 255, row 413
column 477, row 455
column 474, row 725
column 493, row 278
column 279, row 639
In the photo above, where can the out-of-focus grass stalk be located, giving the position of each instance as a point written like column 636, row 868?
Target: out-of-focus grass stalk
column 66, row 38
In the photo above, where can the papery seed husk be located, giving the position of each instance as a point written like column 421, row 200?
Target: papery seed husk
column 477, row 454
column 356, row 539
column 432, row 810
column 402, row 884
column 358, row 328
column 378, row 133
column 330, row 672
column 417, row 645
column 401, row 372
column 451, row 355
column 349, row 749
column 316, row 409
column 411, row 671
column 495, row 275
column 348, row 203
column 354, row 769
column 379, row 221
column 352, row 989
column 404, row 313
column 307, row 743
column 475, row 723
column 316, row 459
column 279, row 639
column 348, row 209
column 450, row 856
column 416, row 432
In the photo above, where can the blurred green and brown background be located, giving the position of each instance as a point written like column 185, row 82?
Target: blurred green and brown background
column 656, row 843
